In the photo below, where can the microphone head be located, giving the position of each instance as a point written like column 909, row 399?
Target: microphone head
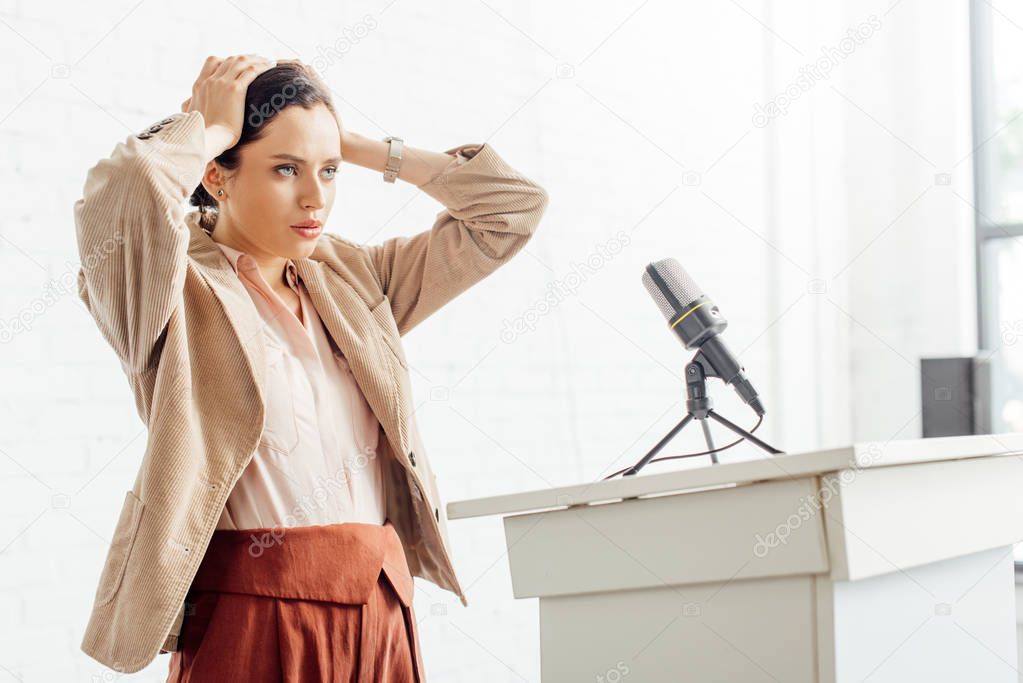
column 698, row 323
column 671, row 287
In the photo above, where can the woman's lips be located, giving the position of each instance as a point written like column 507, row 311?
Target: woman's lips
column 308, row 233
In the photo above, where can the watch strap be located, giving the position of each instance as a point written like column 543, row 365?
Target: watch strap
column 395, row 148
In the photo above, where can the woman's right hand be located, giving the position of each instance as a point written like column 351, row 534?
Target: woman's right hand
column 219, row 94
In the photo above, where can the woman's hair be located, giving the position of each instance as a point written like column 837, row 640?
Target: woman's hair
column 271, row 92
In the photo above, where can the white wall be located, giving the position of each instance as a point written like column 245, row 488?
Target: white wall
column 823, row 236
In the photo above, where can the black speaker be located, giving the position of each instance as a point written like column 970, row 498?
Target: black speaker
column 955, row 396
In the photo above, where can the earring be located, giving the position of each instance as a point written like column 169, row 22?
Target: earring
column 220, row 193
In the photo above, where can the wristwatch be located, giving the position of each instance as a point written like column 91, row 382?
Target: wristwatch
column 393, row 158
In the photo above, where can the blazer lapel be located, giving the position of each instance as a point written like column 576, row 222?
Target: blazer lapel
column 351, row 325
column 237, row 304
column 345, row 315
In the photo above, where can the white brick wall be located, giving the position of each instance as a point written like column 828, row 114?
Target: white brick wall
column 636, row 117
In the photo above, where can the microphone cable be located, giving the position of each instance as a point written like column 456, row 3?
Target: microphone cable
column 760, row 420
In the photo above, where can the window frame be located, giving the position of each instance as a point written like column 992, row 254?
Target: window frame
column 987, row 230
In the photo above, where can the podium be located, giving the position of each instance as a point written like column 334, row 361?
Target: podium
column 887, row 561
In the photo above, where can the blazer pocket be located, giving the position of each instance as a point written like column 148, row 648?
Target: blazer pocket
column 120, row 548
column 280, row 429
column 384, row 319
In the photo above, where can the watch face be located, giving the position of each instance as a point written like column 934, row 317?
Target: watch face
column 394, row 150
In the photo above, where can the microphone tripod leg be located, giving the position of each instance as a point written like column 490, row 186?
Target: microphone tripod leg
column 660, row 444
column 743, row 433
column 709, row 439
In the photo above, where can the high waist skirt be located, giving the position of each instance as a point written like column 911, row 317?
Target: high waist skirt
column 300, row 604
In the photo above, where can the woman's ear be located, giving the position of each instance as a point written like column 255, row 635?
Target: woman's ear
column 213, row 178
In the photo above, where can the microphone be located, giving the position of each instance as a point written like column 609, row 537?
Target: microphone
column 698, row 323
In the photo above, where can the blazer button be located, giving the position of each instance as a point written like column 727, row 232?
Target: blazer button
column 412, row 458
column 436, row 513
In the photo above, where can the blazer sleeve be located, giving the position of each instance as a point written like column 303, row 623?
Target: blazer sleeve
column 132, row 236
column 491, row 211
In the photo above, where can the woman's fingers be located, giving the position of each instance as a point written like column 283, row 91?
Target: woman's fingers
column 221, row 90
column 244, row 62
column 228, row 69
column 223, row 67
column 237, row 67
column 209, row 67
column 231, row 67
column 248, row 73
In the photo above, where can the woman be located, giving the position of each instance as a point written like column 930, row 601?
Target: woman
column 285, row 500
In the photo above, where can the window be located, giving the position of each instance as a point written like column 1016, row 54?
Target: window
column 997, row 75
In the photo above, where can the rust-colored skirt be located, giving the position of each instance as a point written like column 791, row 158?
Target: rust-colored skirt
column 300, row 604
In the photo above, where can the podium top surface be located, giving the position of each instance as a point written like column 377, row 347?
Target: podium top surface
column 871, row 454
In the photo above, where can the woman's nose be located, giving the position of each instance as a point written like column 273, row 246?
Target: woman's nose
column 313, row 198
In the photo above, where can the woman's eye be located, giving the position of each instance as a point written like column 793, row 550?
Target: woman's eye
column 332, row 170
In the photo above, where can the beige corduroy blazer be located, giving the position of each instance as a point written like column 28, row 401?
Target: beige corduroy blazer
column 187, row 334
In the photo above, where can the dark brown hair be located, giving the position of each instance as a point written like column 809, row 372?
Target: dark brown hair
column 285, row 85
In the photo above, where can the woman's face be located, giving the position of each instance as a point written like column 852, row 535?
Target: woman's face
column 284, row 178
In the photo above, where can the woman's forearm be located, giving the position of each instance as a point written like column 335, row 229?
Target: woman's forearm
column 418, row 166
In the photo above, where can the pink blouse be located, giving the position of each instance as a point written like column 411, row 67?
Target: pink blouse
column 316, row 462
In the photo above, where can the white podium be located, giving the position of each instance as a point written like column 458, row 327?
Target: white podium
column 876, row 562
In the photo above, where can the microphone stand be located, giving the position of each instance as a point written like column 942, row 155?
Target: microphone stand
column 700, row 407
